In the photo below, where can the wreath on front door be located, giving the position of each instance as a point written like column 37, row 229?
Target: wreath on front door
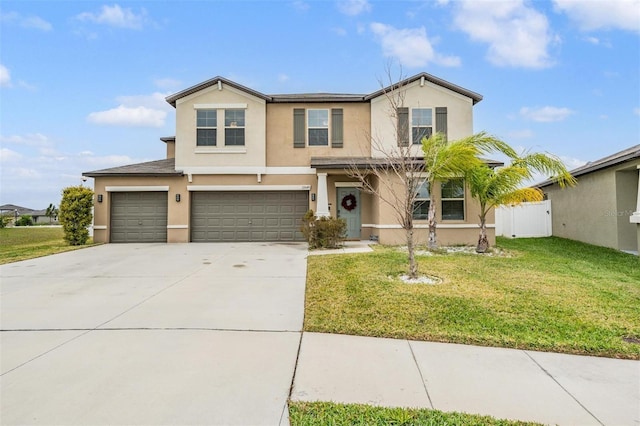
column 348, row 202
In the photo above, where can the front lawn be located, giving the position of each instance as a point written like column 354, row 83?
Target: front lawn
column 552, row 295
column 22, row 243
column 329, row 413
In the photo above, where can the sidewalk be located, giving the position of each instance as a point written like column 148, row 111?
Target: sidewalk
column 505, row 383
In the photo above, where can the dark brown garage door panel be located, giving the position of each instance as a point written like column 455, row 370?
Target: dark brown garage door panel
column 138, row 217
column 248, row 215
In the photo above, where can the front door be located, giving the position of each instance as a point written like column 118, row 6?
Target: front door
column 349, row 210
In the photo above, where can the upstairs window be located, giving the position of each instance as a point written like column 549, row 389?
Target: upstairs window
column 453, row 199
column 318, row 126
column 234, row 127
column 421, row 124
column 421, row 202
column 206, row 127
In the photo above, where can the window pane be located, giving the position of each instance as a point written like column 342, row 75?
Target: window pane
column 207, row 118
column 234, row 136
column 206, row 137
column 421, row 209
column 453, row 189
column 421, row 117
column 318, row 137
column 421, row 132
column 423, row 191
column 453, row 210
column 234, row 118
column 318, row 118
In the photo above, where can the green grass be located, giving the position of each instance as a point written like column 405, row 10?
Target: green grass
column 328, row 413
column 552, row 295
column 22, row 243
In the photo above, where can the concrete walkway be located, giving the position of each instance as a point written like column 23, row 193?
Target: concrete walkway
column 211, row 334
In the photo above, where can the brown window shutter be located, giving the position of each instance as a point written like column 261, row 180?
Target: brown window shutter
column 441, row 120
column 298, row 128
column 403, row 126
column 337, row 128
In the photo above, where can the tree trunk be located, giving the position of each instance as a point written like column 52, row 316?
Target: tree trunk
column 483, row 242
column 433, row 244
column 413, row 266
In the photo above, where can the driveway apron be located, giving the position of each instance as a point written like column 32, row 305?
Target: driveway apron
column 152, row 334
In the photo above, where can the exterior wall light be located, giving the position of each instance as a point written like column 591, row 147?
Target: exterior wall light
column 313, row 196
column 177, row 198
column 99, row 198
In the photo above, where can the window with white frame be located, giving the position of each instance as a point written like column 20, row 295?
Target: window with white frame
column 318, row 126
column 452, row 195
column 206, row 127
column 421, row 124
column 234, row 127
column 421, row 202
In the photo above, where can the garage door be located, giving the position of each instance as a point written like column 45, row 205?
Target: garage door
column 248, row 216
column 139, row 217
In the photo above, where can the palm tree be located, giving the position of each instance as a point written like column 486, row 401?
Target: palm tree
column 446, row 160
column 495, row 187
column 52, row 212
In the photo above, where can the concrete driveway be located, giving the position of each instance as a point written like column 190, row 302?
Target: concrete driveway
column 152, row 334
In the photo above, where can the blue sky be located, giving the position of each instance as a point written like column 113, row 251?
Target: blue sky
column 82, row 83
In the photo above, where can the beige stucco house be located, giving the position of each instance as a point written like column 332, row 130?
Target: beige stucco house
column 604, row 208
column 245, row 166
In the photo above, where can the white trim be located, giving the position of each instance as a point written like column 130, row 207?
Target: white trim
column 220, row 150
column 438, row 226
column 136, row 188
column 245, row 170
column 99, row 227
column 219, row 106
column 248, row 187
column 177, row 226
column 348, row 184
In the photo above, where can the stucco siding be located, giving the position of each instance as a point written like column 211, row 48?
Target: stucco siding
column 280, row 150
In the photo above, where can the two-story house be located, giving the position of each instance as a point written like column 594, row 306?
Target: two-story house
column 246, row 166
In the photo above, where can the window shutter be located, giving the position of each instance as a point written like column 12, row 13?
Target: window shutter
column 403, row 126
column 441, row 120
column 298, row 128
column 337, row 128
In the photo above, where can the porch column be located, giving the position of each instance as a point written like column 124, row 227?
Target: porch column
column 322, row 205
column 635, row 217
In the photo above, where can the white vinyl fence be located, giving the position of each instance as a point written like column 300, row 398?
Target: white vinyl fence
column 525, row 220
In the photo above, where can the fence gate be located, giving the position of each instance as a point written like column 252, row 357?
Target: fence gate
column 525, row 220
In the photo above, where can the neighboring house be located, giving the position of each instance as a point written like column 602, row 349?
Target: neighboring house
column 245, row 166
column 38, row 216
column 604, row 208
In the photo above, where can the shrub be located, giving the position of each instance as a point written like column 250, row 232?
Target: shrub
column 25, row 220
column 4, row 221
column 75, row 214
column 323, row 232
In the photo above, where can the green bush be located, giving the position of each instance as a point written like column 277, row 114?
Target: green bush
column 75, row 214
column 323, row 232
column 4, row 221
column 25, row 220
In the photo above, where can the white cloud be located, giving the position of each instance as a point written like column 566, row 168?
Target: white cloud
column 167, row 83
column 129, row 117
column 636, row 111
column 546, row 114
column 517, row 35
column 37, row 23
column 116, row 16
column 520, row 134
column 410, row 46
column 572, row 163
column 34, row 140
column 300, row 5
column 5, row 76
column 283, row 78
column 598, row 14
column 155, row 100
column 7, row 155
column 353, row 7
column 30, row 22
column 339, row 31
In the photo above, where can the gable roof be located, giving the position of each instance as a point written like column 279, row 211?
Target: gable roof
column 324, row 97
column 623, row 156
column 165, row 167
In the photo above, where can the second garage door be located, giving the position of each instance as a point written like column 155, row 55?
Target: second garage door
column 248, row 215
